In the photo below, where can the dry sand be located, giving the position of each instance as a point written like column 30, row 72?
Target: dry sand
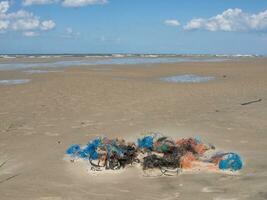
column 40, row 119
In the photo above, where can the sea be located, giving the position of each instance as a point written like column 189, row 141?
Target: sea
column 26, row 61
column 48, row 63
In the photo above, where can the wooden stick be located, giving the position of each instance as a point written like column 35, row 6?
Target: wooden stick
column 8, row 178
column 250, row 102
column 3, row 164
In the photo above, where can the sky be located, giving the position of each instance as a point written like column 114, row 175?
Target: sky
column 133, row 26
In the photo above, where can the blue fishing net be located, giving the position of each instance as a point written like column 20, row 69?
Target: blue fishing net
column 117, row 150
column 231, row 161
column 146, row 142
column 91, row 148
column 87, row 152
column 73, row 149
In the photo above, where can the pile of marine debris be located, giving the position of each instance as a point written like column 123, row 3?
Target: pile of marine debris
column 154, row 151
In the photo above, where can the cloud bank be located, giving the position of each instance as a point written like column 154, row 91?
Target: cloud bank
column 65, row 3
column 80, row 3
column 230, row 20
column 22, row 20
column 38, row 2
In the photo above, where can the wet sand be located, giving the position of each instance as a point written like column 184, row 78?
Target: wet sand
column 40, row 119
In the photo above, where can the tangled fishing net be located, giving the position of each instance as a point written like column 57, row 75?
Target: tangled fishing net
column 154, row 151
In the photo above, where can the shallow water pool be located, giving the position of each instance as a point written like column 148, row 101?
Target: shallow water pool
column 14, row 82
column 187, row 78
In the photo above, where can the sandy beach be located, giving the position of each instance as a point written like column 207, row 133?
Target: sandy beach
column 41, row 118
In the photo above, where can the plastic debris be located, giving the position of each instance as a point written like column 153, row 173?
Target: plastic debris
column 230, row 161
column 105, row 153
column 146, row 142
column 153, row 151
column 73, row 149
column 187, row 160
column 91, row 149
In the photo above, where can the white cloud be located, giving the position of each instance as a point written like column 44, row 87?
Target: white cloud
column 4, row 6
column 18, row 15
column 231, row 20
column 65, row 3
column 38, row 2
column 22, row 20
column 47, row 25
column 172, row 22
column 26, row 24
column 4, row 24
column 30, row 34
column 80, row 3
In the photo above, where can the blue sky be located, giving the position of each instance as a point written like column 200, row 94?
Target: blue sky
column 133, row 26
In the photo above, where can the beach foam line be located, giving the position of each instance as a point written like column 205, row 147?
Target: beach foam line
column 14, row 82
column 187, row 78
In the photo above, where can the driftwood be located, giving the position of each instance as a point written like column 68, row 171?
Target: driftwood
column 250, row 102
column 1, row 165
column 8, row 178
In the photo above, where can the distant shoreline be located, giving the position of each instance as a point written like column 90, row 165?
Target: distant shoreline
column 150, row 55
column 39, row 61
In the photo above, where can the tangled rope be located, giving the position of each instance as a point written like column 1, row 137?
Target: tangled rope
column 153, row 151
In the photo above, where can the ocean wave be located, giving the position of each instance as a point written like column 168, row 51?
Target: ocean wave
column 149, row 56
column 7, row 56
column 237, row 55
column 119, row 55
column 127, row 55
